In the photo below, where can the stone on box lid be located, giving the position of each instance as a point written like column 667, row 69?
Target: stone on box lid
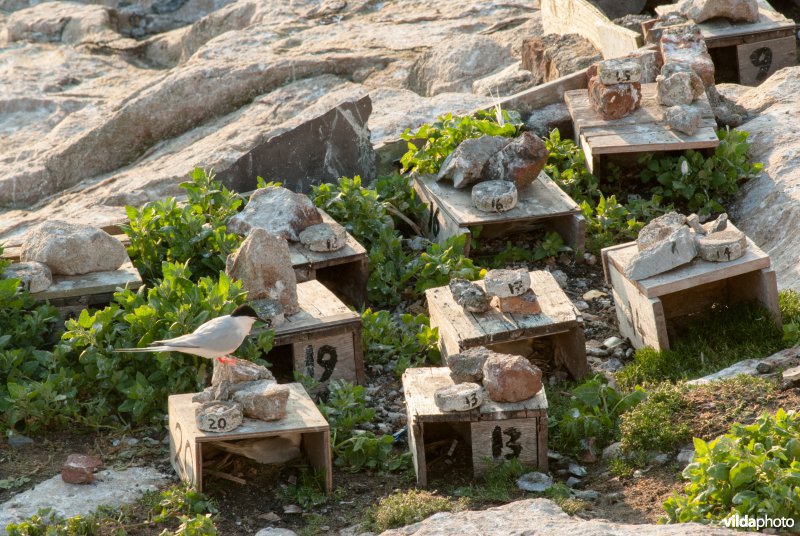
column 619, row 71
column 504, row 283
column 675, row 250
column 524, row 304
column 494, row 196
column 459, row 397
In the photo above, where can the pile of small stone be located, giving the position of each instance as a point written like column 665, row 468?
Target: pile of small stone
column 506, row 290
column 496, row 167
column 615, row 90
column 479, row 372
column 673, row 240
column 239, row 388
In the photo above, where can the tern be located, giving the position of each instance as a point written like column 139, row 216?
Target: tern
column 216, row 338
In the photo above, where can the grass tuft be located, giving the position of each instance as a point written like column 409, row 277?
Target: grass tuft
column 411, row 506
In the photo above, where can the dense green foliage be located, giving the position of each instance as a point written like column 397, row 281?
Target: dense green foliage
column 440, row 138
column 192, row 232
column 656, row 423
column 789, row 301
column 709, row 343
column 753, row 470
column 399, row 341
column 411, row 506
column 591, row 416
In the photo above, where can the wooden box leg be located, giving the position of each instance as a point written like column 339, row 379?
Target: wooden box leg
column 760, row 285
column 572, row 228
column 317, row 446
column 641, row 319
column 570, row 350
column 542, row 439
column 416, row 441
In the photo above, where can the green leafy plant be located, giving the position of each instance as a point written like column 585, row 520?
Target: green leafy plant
column 439, row 264
column 192, row 232
column 440, row 138
column 655, row 424
column 789, row 301
column 183, row 499
column 754, row 470
column 403, row 341
column 367, row 451
column 551, row 246
column 308, row 491
column 400, row 199
column 391, row 269
column 593, row 413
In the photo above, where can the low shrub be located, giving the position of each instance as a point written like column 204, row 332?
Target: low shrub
column 657, row 423
column 411, row 506
column 400, row 341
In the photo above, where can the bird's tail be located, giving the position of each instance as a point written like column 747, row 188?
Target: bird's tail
column 148, row 349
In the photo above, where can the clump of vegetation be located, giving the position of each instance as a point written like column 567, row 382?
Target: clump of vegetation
column 191, row 232
column 789, row 301
column 354, row 449
column 561, row 494
column 657, row 422
column 712, row 341
column 753, row 470
column 498, row 482
column 400, row 341
column 448, row 131
column 592, row 415
column 308, row 491
column 411, row 506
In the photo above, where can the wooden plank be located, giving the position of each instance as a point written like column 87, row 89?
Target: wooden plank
column 696, row 273
column 317, row 446
column 761, row 286
column 449, row 316
column 545, row 94
column 540, row 200
column 416, row 442
column 641, row 131
column 641, row 319
column 758, row 61
column 716, row 30
column 581, row 17
column 438, row 224
column 70, row 286
column 327, row 358
column 570, row 349
column 314, row 294
column 497, row 441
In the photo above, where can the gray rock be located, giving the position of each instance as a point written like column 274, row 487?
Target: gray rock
column 695, row 82
column 659, row 458
column 678, row 249
column 264, row 265
column 324, row 237
column 459, row 397
column 618, row 71
column 560, row 277
column 505, row 283
column 684, row 119
column 239, row 370
column 73, row 249
column 726, row 111
column 722, row 246
column 520, row 161
column 455, row 65
column 467, row 366
column 694, row 222
column 780, row 360
column 33, row 276
column 573, row 482
column 720, row 224
column 614, row 9
column 334, row 144
column 269, row 311
column 542, row 516
column 111, row 488
column 464, row 166
column 18, row 441
column 507, row 81
column 586, row 495
column 552, row 56
column 791, row 375
column 535, row 482
column 614, row 450
column 612, row 365
column 276, row 531
column 577, row 470
column 764, row 368
column 612, row 342
column 278, row 211
column 659, row 229
column 469, row 295
column 735, row 10
column 219, row 416
column 59, row 22
column 674, row 90
column 685, row 456
column 264, row 399
column 494, row 196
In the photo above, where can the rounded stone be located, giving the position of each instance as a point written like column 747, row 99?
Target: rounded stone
column 33, row 276
column 459, row 397
column 722, row 246
column 506, row 283
column 684, row 119
column 494, row 196
column 324, row 237
column 467, row 366
column 510, row 378
column 219, row 416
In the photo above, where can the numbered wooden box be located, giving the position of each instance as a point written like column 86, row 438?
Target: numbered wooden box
column 495, row 431
column 647, row 309
column 541, row 205
column 557, row 331
column 187, row 442
column 324, row 338
column 748, row 52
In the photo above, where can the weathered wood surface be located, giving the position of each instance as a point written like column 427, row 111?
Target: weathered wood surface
column 759, row 60
column 717, row 32
column 497, row 441
column 697, row 272
column 474, row 329
column 327, row 358
column 302, row 416
column 319, row 308
column 71, row 286
column 582, row 17
column 641, row 131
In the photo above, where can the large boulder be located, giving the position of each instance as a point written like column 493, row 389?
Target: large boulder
column 465, row 165
column 735, row 10
column 264, row 265
column 767, row 209
column 542, row 516
column 59, row 22
column 455, row 65
column 73, row 249
column 278, row 211
column 552, row 56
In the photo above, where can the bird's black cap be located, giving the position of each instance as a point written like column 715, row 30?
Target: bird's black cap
column 245, row 310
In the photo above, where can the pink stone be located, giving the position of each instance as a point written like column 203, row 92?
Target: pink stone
column 510, row 378
column 80, row 468
column 615, row 101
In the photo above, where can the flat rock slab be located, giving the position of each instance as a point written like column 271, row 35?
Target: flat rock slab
column 33, row 276
column 678, row 249
column 541, row 516
column 504, row 283
column 784, row 359
column 219, row 416
column 278, row 211
column 494, row 196
column 459, row 397
column 722, row 246
column 110, row 488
